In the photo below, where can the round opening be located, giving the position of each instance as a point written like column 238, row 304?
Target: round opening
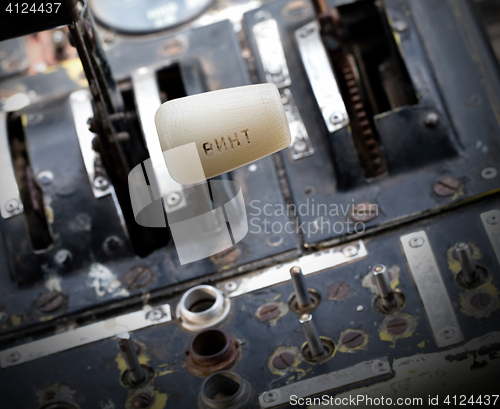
column 210, row 342
column 221, row 386
column 315, row 301
column 199, row 300
column 399, row 304
column 481, row 277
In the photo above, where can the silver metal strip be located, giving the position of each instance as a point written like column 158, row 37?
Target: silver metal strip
column 321, row 78
column 311, row 263
column 81, row 107
column 85, row 335
column 10, row 200
column 431, row 288
column 491, row 223
column 147, row 98
column 301, row 146
column 321, row 384
column 267, row 37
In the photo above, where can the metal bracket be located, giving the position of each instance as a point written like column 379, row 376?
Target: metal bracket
column 301, row 146
column 10, row 200
column 491, row 223
column 271, row 53
column 320, row 74
column 312, row 263
column 81, row 107
column 85, row 335
column 147, row 98
column 431, row 288
column 363, row 371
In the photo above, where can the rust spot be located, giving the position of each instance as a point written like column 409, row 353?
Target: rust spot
column 283, row 361
column 268, row 312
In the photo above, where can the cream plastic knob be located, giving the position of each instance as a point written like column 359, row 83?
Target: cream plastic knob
column 230, row 128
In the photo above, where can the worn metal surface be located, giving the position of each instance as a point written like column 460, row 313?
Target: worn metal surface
column 85, row 335
column 431, row 288
column 363, row 371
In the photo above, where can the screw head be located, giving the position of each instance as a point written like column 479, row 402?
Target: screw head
column 431, row 120
column 155, row 315
column 446, row 186
column 283, row 361
column 447, row 333
column 173, row 199
column 270, row 397
column 350, row 251
column 49, row 302
column 489, row 173
column 492, row 220
column 138, row 277
column 230, row 286
column 63, row 257
column 400, row 25
column 14, row 356
column 142, row 400
column 45, row 177
column 101, row 183
column 268, row 312
column 416, row 242
column 11, row 205
column 300, row 146
column 336, row 118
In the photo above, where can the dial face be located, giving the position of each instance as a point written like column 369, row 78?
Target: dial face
column 146, row 16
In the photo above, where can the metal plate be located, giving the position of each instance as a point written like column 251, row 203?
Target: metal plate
column 312, row 263
column 301, row 146
column 491, row 223
column 10, row 201
column 430, row 285
column 324, row 383
column 320, row 74
column 85, row 335
column 81, row 108
column 147, row 98
column 271, row 53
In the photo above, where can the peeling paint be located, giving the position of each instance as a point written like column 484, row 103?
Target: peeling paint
column 104, row 281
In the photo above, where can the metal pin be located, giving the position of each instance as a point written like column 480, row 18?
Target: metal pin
column 384, row 287
column 313, row 340
column 131, row 359
column 301, row 292
column 464, row 255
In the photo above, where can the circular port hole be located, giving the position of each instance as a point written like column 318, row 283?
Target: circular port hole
column 224, row 390
column 481, row 277
column 382, row 309
column 200, row 300
column 209, row 343
column 329, row 346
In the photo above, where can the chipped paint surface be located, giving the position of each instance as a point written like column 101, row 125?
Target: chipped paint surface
column 104, row 281
column 437, row 373
column 386, row 336
column 342, row 348
column 489, row 290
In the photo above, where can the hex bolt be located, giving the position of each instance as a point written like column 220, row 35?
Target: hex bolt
column 155, row 315
column 142, row 400
column 336, row 118
column 464, row 255
column 127, row 347
column 384, row 287
column 313, row 340
column 299, row 285
column 446, row 186
column 173, row 199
